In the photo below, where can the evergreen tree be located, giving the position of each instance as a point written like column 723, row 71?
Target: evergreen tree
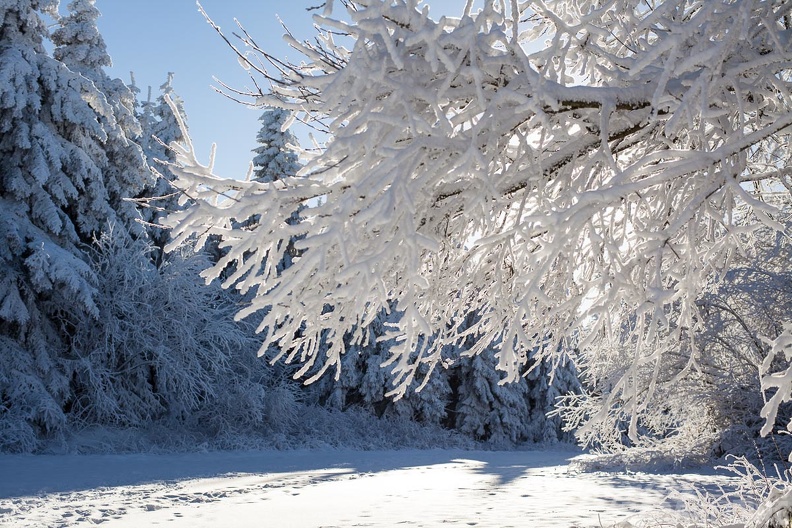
column 481, row 406
column 165, row 126
column 548, row 386
column 274, row 157
column 53, row 201
column 92, row 332
column 159, row 128
column 486, row 409
column 82, row 49
column 363, row 383
column 144, row 114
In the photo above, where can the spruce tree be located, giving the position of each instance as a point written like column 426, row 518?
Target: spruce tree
column 159, row 128
column 548, row 387
column 144, row 115
column 82, row 49
column 483, row 407
column 53, row 202
column 165, row 127
column 363, row 382
column 274, row 158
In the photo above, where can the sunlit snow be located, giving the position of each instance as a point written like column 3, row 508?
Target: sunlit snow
column 330, row 488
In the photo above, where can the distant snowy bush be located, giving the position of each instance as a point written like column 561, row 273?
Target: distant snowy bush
column 151, row 356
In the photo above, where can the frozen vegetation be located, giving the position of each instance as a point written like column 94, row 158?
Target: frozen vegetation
column 533, row 224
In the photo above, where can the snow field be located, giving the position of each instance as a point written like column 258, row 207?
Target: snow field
column 329, row 488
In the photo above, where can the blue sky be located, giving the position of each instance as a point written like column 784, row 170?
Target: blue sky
column 154, row 37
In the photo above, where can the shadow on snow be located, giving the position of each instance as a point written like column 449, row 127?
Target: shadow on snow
column 27, row 475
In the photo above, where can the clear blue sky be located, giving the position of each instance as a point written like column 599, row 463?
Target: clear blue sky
column 154, row 37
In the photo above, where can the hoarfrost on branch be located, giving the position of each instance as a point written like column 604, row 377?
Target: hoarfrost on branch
column 570, row 170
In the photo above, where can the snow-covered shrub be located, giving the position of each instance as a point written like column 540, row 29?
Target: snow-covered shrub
column 755, row 501
column 360, row 429
column 671, row 426
column 164, row 347
column 744, row 318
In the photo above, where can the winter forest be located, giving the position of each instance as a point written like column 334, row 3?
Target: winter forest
column 535, row 223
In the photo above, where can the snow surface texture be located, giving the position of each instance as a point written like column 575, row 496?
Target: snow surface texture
column 330, row 488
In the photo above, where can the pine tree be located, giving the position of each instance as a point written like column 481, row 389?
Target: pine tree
column 547, row 386
column 159, row 128
column 82, row 49
column 486, row 409
column 144, row 115
column 274, row 157
column 364, row 384
column 53, row 201
column 481, row 406
column 165, row 128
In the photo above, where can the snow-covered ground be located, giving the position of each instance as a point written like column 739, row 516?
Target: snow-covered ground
column 327, row 488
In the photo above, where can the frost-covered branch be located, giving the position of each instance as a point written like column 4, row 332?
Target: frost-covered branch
column 578, row 187
column 778, row 382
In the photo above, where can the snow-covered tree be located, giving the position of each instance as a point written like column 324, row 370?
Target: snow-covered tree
column 275, row 157
column 165, row 127
column 362, row 383
column 80, row 46
column 559, row 178
column 144, row 113
column 547, row 385
column 743, row 314
column 159, row 128
column 487, row 409
column 53, row 201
